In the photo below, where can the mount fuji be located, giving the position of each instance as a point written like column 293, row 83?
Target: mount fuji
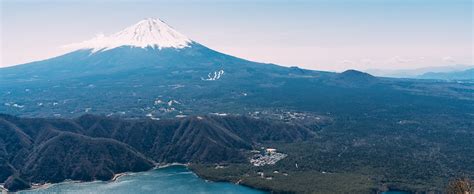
column 135, row 67
column 149, row 45
column 151, row 70
column 150, row 32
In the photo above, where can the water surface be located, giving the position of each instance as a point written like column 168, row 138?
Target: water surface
column 172, row 180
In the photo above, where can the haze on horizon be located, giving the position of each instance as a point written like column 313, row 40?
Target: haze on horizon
column 320, row 34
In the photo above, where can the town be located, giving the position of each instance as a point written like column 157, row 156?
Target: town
column 267, row 156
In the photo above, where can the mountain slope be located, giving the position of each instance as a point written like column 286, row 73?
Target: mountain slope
column 77, row 157
column 146, row 77
column 149, row 46
column 95, row 148
column 136, row 77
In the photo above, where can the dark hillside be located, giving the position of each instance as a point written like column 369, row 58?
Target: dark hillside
column 95, row 148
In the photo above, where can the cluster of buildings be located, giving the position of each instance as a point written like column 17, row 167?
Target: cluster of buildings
column 287, row 116
column 269, row 156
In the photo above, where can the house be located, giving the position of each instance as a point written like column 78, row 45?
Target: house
column 271, row 150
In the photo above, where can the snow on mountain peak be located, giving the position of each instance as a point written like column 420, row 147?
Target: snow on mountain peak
column 148, row 32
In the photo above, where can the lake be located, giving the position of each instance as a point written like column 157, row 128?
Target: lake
column 173, row 179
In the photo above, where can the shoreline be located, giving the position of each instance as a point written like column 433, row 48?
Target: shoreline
column 117, row 176
column 159, row 166
column 223, row 180
column 170, row 164
column 3, row 190
column 38, row 186
column 241, row 182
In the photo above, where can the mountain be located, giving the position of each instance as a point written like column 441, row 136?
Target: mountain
column 95, row 148
column 415, row 73
column 150, row 70
column 138, row 75
column 355, row 78
column 150, row 32
column 455, row 75
column 150, row 48
column 77, row 157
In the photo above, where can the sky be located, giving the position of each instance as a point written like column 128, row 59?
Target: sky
column 332, row 35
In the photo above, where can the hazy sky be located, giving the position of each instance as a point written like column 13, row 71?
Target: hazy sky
column 315, row 34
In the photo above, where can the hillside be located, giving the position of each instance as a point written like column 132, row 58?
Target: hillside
column 366, row 155
column 95, row 148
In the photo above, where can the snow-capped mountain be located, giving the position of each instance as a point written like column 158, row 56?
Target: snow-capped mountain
column 146, row 33
column 125, row 73
column 150, row 43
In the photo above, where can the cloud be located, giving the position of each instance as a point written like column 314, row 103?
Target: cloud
column 99, row 38
column 399, row 59
column 347, row 62
column 448, row 59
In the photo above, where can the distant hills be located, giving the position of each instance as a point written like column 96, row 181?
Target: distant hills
column 455, row 75
column 419, row 72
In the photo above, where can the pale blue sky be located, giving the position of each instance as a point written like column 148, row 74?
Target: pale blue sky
column 320, row 34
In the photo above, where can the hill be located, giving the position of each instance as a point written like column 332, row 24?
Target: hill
column 95, row 148
column 413, row 73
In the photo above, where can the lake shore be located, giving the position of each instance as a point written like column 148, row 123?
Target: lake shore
column 3, row 190
column 39, row 186
column 173, row 178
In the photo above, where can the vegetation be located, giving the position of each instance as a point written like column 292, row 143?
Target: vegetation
column 288, row 181
column 95, row 148
column 460, row 186
column 352, row 154
column 413, row 156
column 15, row 183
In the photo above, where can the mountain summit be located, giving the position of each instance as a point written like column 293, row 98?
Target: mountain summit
column 149, row 32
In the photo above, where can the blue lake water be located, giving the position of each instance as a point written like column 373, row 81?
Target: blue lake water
column 174, row 179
